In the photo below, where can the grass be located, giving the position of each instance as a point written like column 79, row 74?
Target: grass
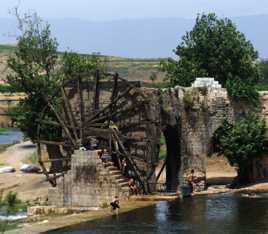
column 7, row 49
column 10, row 204
column 31, row 159
column 5, row 227
column 157, row 85
column 130, row 68
column 4, row 130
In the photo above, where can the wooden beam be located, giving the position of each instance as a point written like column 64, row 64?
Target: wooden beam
column 51, row 142
column 70, row 113
column 81, row 109
column 97, row 91
column 65, row 128
column 130, row 161
column 115, row 87
column 161, row 170
column 48, row 122
column 109, row 106
column 44, row 170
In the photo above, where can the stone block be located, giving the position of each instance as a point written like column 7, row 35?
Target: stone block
column 89, row 183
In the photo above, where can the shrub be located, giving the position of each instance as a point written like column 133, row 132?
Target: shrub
column 241, row 143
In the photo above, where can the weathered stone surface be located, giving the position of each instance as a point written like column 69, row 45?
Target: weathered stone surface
column 88, row 184
column 206, row 82
column 187, row 117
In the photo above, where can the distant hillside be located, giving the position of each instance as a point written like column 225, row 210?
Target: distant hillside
column 141, row 38
column 5, row 51
column 132, row 69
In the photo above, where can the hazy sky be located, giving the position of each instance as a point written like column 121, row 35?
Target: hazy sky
column 118, row 9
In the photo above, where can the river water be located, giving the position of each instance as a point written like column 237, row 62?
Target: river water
column 10, row 137
column 222, row 213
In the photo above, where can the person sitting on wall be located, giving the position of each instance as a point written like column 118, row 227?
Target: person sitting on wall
column 133, row 187
column 100, row 153
column 115, row 205
column 191, row 181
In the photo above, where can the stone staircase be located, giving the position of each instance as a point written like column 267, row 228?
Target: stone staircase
column 120, row 180
column 89, row 183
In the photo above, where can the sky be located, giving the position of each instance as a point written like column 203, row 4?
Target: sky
column 106, row 10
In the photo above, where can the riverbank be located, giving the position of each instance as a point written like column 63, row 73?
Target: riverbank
column 46, row 223
column 29, row 187
column 252, row 188
column 41, row 224
column 35, row 186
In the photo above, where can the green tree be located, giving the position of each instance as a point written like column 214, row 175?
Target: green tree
column 153, row 77
column 74, row 65
column 215, row 48
column 34, row 72
column 241, row 143
column 264, row 70
column 39, row 71
column 263, row 84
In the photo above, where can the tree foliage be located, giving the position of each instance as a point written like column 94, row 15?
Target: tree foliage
column 34, row 72
column 215, row 48
column 83, row 66
column 39, row 71
column 264, row 70
column 242, row 142
column 263, row 84
column 34, row 61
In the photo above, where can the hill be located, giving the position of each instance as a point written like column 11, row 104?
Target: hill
column 132, row 69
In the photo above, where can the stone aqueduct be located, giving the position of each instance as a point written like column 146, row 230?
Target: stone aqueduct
column 187, row 117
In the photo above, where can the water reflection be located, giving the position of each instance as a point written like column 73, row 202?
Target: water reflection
column 223, row 213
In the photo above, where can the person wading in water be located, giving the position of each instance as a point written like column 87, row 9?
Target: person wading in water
column 115, row 206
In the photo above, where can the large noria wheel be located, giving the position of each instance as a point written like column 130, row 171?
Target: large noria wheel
column 89, row 115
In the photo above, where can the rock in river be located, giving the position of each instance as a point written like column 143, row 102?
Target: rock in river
column 7, row 169
column 27, row 168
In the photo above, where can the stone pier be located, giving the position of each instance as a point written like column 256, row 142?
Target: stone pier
column 89, row 183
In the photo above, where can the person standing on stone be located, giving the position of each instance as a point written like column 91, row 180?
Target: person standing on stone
column 133, row 187
column 190, row 180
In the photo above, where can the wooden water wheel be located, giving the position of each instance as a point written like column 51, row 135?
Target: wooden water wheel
column 88, row 114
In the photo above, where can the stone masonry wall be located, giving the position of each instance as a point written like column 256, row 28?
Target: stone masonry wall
column 201, row 111
column 194, row 113
column 88, row 184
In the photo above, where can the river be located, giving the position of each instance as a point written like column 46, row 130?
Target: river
column 10, row 136
column 222, row 213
